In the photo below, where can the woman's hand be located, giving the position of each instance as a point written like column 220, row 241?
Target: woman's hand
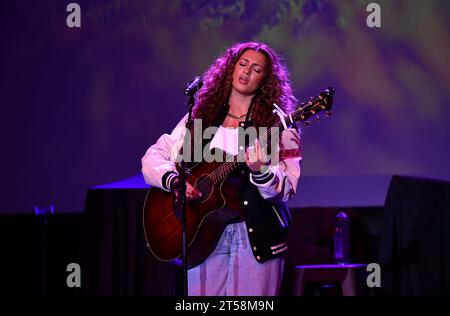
column 191, row 192
column 256, row 160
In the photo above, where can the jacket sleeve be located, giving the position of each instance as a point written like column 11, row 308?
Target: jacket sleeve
column 279, row 182
column 159, row 162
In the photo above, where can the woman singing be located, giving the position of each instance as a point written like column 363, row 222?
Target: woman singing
column 239, row 92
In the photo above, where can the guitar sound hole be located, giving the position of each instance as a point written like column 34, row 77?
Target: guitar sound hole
column 205, row 186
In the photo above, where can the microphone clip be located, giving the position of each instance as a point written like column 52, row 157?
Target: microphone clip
column 193, row 86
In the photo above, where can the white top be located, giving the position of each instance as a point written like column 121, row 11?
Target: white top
column 227, row 139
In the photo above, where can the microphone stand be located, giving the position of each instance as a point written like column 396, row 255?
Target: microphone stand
column 181, row 188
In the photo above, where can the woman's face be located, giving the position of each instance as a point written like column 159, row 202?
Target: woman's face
column 249, row 72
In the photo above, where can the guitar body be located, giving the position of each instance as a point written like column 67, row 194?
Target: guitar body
column 205, row 218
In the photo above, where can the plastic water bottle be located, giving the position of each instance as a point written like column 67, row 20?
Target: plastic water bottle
column 342, row 238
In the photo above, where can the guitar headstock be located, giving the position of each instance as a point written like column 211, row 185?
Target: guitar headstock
column 323, row 102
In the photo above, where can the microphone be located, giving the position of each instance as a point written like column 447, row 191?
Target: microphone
column 193, row 86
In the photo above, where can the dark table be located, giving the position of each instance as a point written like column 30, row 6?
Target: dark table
column 114, row 256
column 415, row 238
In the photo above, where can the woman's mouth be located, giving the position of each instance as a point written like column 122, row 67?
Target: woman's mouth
column 243, row 80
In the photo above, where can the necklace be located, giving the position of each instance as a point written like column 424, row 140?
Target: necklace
column 236, row 116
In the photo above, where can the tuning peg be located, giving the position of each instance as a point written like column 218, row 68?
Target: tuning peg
column 317, row 117
column 328, row 113
column 308, row 123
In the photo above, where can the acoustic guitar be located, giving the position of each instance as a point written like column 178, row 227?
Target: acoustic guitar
column 219, row 184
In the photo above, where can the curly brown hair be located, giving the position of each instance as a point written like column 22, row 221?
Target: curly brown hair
column 276, row 87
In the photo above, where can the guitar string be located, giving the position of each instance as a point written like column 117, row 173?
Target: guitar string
column 234, row 163
column 223, row 167
column 228, row 166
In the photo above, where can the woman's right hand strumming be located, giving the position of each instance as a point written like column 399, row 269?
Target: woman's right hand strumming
column 191, row 192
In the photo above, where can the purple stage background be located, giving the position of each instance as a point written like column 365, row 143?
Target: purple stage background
column 80, row 106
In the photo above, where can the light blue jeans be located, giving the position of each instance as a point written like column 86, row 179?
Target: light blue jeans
column 232, row 270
